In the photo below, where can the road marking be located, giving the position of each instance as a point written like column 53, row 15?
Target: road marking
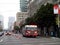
column 18, row 37
column 1, row 40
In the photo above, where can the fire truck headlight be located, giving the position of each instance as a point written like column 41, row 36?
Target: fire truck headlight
column 28, row 32
column 35, row 32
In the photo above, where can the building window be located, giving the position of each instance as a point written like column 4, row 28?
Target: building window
column 22, row 16
column 55, row 0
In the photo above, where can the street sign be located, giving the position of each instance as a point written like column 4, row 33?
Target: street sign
column 55, row 7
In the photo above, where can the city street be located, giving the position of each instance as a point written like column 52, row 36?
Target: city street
column 37, row 18
column 17, row 39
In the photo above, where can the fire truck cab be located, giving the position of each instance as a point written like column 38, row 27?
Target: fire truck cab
column 30, row 30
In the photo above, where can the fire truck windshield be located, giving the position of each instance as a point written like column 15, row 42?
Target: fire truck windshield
column 31, row 28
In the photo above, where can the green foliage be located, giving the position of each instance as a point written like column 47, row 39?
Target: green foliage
column 30, row 20
column 16, row 28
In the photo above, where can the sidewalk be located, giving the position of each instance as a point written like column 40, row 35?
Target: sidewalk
column 47, row 37
column 54, row 37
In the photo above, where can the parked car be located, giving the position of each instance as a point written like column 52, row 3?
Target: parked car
column 8, row 33
column 1, row 33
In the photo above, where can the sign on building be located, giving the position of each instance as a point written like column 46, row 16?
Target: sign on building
column 56, row 9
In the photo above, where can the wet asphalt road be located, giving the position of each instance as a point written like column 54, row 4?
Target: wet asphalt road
column 18, row 39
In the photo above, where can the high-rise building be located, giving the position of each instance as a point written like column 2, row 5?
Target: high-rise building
column 11, row 22
column 1, row 22
column 33, row 5
column 23, row 5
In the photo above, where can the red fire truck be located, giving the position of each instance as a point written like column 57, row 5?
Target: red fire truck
column 30, row 30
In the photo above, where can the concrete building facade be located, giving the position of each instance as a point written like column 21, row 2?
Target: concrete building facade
column 34, row 5
column 21, row 16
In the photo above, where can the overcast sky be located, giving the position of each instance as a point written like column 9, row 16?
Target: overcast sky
column 8, row 8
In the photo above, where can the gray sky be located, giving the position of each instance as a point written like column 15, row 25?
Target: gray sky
column 8, row 8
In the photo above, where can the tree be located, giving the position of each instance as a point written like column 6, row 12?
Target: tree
column 16, row 28
column 30, row 20
column 45, row 16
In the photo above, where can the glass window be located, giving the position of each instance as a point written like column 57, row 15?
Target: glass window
column 55, row 0
column 31, row 28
